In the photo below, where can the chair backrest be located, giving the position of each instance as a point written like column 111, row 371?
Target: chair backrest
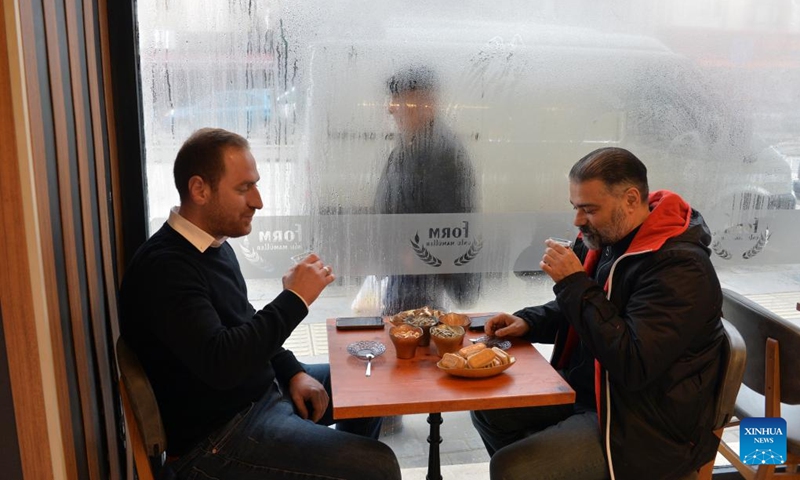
column 147, row 431
column 734, row 359
column 756, row 324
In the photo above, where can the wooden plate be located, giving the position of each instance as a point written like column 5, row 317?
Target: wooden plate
column 477, row 372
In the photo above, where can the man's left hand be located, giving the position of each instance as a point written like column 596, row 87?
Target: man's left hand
column 559, row 262
column 306, row 390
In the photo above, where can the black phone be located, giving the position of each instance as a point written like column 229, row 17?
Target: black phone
column 359, row 323
column 477, row 323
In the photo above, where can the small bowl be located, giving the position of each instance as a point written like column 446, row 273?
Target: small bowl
column 405, row 339
column 455, row 320
column 448, row 339
column 425, row 323
column 400, row 318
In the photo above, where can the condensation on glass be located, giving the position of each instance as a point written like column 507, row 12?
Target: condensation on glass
column 704, row 92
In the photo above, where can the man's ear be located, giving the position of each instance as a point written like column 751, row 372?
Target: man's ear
column 199, row 190
column 633, row 197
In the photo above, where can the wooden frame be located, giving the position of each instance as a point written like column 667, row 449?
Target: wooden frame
column 22, row 313
column 772, row 408
column 135, row 440
column 58, row 281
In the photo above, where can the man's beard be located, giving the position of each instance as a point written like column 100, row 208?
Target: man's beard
column 596, row 238
column 223, row 224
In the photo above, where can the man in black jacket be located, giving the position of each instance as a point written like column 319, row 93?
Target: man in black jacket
column 637, row 333
column 235, row 404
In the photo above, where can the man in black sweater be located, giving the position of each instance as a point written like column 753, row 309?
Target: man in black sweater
column 235, row 404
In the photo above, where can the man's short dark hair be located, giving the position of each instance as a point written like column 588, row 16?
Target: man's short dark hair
column 202, row 155
column 416, row 77
column 614, row 167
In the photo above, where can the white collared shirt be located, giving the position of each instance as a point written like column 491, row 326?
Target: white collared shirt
column 191, row 232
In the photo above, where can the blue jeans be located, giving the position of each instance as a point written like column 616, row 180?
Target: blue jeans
column 268, row 440
column 546, row 443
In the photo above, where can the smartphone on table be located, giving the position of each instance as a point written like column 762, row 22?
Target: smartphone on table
column 477, row 323
column 359, row 323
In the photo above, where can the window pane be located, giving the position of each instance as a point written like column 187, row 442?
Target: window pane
column 704, row 92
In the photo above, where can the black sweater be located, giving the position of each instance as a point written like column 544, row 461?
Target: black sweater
column 205, row 349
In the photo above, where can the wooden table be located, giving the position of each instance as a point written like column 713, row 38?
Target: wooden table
column 398, row 387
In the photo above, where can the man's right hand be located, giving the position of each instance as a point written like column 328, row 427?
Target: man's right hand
column 505, row 325
column 308, row 278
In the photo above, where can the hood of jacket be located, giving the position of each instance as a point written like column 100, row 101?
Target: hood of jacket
column 670, row 217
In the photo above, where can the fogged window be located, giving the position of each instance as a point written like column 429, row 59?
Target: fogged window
column 523, row 90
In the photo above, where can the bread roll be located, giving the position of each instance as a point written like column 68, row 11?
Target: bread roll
column 472, row 349
column 451, row 360
column 504, row 357
column 481, row 359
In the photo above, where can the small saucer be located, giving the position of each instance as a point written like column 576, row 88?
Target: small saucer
column 362, row 348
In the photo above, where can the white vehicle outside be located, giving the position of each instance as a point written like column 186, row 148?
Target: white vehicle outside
column 527, row 108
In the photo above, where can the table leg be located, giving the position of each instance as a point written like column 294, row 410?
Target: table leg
column 434, row 466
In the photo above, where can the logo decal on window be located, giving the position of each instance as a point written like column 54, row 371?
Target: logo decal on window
column 447, row 237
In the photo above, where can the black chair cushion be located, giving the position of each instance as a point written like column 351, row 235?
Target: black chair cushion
column 751, row 404
column 755, row 323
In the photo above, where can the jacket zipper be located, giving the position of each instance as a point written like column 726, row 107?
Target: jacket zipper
column 607, row 382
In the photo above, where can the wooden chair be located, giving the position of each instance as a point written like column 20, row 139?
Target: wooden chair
column 734, row 356
column 766, row 393
column 146, row 436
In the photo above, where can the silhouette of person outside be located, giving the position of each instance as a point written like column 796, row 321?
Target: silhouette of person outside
column 428, row 171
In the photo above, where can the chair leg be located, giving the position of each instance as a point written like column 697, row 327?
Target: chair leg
column 142, row 462
column 733, row 457
column 792, row 471
column 793, row 464
column 764, row 472
column 706, row 471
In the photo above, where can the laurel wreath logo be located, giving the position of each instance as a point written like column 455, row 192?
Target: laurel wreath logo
column 473, row 251
column 252, row 256
column 434, row 261
column 423, row 253
column 723, row 253
column 762, row 241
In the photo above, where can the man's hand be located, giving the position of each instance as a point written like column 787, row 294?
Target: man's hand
column 308, row 278
column 306, row 390
column 505, row 325
column 559, row 262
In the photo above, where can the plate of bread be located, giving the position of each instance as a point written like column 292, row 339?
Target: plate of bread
column 476, row 361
